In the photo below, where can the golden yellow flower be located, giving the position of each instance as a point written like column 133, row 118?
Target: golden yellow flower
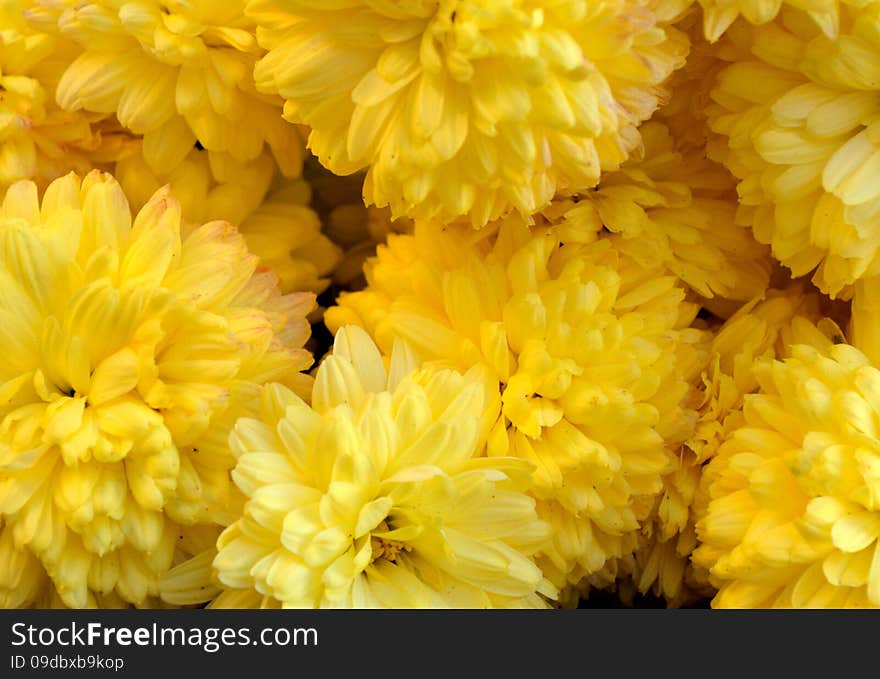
column 272, row 213
column 38, row 140
column 799, row 119
column 128, row 350
column 590, row 349
column 379, row 495
column 466, row 107
column 791, row 505
column 176, row 72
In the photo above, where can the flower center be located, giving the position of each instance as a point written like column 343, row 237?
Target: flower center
column 386, row 549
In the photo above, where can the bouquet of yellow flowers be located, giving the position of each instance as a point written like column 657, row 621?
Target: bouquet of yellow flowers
column 439, row 303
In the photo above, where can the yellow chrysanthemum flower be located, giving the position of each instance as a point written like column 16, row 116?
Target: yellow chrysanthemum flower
column 272, row 214
column 677, row 211
column 799, row 116
column 590, row 349
column 25, row 583
column 791, row 510
column 128, row 351
column 469, row 107
column 176, row 72
column 38, row 140
column 378, row 495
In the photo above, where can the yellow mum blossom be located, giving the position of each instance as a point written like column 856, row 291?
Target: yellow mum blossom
column 799, row 116
column 792, row 518
column 591, row 351
column 128, row 351
column 378, row 495
column 38, row 140
column 469, row 107
column 176, row 72
column 278, row 227
column 675, row 210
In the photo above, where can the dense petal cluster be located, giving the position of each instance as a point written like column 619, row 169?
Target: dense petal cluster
column 38, row 140
column 466, row 107
column 674, row 210
column 378, row 493
column 210, row 185
column 590, row 349
column 271, row 212
column 799, row 119
column 792, row 514
column 129, row 349
column 175, row 72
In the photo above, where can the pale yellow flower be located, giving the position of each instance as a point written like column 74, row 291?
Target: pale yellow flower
column 378, row 494
column 127, row 351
